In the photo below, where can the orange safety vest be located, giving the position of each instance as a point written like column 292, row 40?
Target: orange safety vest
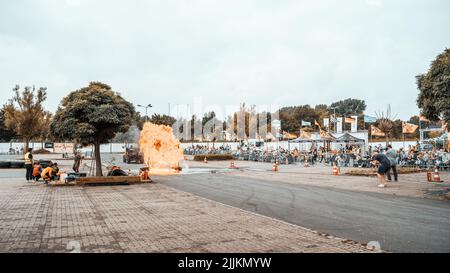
column 36, row 171
column 47, row 172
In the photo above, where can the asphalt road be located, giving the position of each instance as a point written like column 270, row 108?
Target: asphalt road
column 399, row 224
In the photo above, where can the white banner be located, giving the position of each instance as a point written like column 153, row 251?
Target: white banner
column 60, row 148
column 326, row 122
column 339, row 125
column 355, row 124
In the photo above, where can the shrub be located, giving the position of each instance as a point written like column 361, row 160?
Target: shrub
column 41, row 151
column 373, row 171
column 214, row 157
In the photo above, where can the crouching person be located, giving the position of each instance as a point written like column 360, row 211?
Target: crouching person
column 37, row 169
column 55, row 173
column 47, row 173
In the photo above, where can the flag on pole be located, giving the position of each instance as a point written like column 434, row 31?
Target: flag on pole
column 316, row 123
column 339, row 125
column 375, row 131
column 444, row 125
column 306, row 123
column 409, row 128
column 304, row 135
column 349, row 120
column 369, row 119
column 287, row 135
column 326, row 135
column 448, row 140
column 355, row 124
column 326, row 122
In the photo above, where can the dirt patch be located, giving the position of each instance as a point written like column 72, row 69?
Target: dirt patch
column 214, row 157
column 373, row 172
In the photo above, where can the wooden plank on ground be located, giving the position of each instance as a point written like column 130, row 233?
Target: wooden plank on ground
column 108, row 180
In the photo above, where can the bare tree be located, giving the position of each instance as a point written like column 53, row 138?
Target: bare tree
column 385, row 122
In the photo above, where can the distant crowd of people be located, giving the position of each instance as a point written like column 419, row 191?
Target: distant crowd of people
column 15, row 151
column 346, row 155
column 205, row 149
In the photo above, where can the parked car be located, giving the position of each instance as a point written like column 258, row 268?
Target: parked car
column 133, row 155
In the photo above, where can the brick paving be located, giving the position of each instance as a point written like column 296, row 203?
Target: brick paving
column 142, row 218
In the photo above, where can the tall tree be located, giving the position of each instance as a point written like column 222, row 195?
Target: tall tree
column 93, row 115
column 434, row 86
column 25, row 114
column 291, row 117
column 348, row 107
column 6, row 135
column 162, row 120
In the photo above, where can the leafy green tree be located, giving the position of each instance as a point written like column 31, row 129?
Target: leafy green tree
column 207, row 117
column 414, row 120
column 434, row 86
column 93, row 115
column 291, row 117
column 163, row 120
column 6, row 135
column 25, row 114
column 348, row 107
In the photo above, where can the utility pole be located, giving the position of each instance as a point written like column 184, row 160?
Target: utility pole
column 146, row 110
column 334, row 119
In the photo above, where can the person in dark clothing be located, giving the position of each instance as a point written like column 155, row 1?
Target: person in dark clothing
column 392, row 155
column 77, row 162
column 28, row 157
column 384, row 165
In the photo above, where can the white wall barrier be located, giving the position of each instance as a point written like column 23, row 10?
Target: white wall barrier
column 120, row 147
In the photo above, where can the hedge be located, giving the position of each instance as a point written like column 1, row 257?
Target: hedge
column 373, row 171
column 41, row 151
column 214, row 157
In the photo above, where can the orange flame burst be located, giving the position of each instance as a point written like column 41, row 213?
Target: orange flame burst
column 161, row 150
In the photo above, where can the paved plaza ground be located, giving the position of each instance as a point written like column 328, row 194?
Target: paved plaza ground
column 142, row 218
column 212, row 208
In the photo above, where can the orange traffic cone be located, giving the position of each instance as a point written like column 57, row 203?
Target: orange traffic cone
column 335, row 170
column 232, row 166
column 436, row 176
column 205, row 160
column 275, row 166
column 145, row 175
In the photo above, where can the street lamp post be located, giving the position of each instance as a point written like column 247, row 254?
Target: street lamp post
column 146, row 110
column 334, row 119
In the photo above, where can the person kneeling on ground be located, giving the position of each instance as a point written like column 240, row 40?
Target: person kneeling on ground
column 47, row 173
column 37, row 172
column 384, row 165
column 56, row 173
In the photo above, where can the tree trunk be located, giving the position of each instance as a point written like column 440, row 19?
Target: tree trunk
column 98, row 160
column 26, row 146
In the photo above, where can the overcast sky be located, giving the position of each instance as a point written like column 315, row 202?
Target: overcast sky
column 226, row 52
